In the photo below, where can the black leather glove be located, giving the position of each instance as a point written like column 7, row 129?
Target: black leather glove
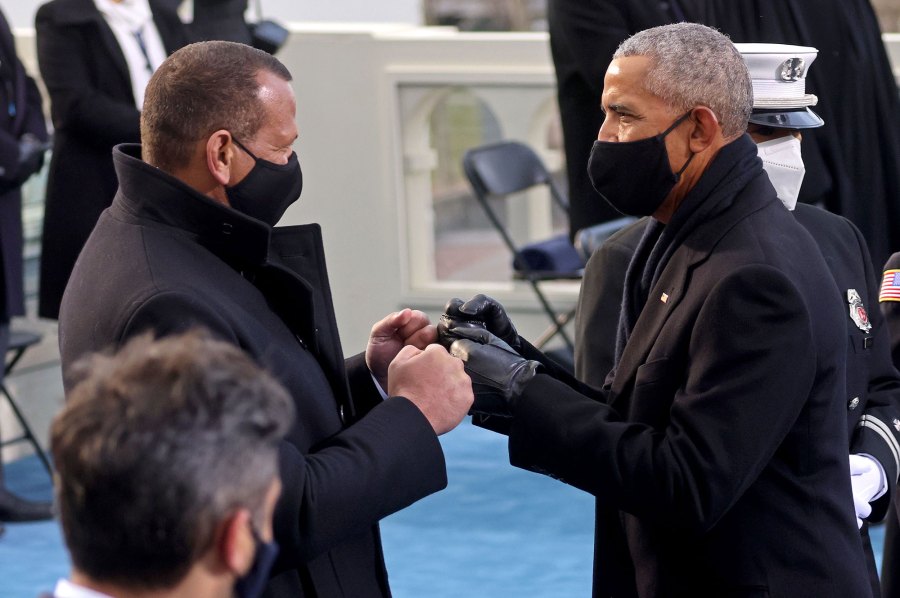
column 480, row 311
column 498, row 373
column 31, row 157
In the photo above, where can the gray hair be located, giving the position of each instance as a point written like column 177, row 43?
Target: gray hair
column 695, row 65
column 157, row 446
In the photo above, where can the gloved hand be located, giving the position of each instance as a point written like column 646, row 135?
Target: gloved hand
column 31, row 157
column 480, row 311
column 499, row 374
column 867, row 481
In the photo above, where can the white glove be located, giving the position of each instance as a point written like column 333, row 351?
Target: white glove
column 868, row 483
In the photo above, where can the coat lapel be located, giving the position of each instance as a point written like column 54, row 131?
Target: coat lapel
column 664, row 297
column 667, row 293
column 81, row 12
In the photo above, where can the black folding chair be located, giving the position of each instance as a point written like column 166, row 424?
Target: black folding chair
column 19, row 342
column 508, row 167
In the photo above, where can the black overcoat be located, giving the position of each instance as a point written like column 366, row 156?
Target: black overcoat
column 93, row 109
column 718, row 452
column 22, row 113
column 166, row 258
column 873, row 383
column 890, row 571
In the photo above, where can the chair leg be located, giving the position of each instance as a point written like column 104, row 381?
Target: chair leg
column 559, row 321
column 28, row 434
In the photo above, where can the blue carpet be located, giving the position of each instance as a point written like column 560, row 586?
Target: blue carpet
column 495, row 531
column 32, row 555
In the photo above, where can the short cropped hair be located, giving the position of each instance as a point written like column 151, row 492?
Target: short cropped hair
column 156, row 446
column 200, row 89
column 694, row 65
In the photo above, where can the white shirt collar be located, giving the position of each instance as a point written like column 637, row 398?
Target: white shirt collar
column 67, row 589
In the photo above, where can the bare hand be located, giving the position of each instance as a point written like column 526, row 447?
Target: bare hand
column 435, row 382
column 392, row 333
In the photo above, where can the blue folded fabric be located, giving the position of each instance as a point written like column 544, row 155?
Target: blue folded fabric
column 556, row 254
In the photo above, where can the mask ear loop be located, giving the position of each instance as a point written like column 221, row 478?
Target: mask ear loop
column 669, row 130
column 243, row 147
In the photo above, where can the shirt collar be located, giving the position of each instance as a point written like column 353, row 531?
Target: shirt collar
column 67, row 589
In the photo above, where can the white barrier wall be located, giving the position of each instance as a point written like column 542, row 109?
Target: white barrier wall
column 21, row 12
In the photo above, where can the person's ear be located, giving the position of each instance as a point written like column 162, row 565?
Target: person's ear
column 706, row 129
column 220, row 155
column 237, row 548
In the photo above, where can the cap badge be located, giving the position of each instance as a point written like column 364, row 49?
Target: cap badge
column 792, row 69
column 857, row 311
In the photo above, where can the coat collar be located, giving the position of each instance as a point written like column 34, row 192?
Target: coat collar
column 150, row 193
column 669, row 290
column 82, row 12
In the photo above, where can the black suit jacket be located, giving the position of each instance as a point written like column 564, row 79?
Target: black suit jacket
column 718, row 451
column 93, row 109
column 21, row 113
column 166, row 258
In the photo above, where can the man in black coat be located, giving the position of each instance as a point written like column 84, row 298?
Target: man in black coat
column 93, row 105
column 23, row 137
column 189, row 241
column 872, row 391
column 718, row 457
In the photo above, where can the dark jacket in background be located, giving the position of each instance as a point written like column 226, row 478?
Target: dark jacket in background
column 718, row 453
column 93, row 109
column 583, row 36
column 221, row 19
column 20, row 113
column 166, row 258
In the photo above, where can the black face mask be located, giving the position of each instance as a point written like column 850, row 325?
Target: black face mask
column 252, row 584
column 634, row 177
column 268, row 189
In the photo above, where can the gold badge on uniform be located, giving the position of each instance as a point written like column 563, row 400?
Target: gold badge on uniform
column 857, row 311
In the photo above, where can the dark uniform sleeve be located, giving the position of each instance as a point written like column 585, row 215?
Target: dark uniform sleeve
column 599, row 305
column 890, row 308
column 878, row 430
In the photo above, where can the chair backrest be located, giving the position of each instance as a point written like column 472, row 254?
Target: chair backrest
column 507, row 167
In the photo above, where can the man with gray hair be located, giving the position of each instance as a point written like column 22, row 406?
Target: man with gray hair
column 717, row 447
column 167, row 470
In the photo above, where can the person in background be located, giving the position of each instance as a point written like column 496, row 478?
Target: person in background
column 781, row 112
column 717, row 450
column 889, row 301
column 190, row 239
column 95, row 57
column 23, row 138
column 166, row 479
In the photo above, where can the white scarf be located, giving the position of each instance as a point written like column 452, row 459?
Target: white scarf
column 127, row 19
